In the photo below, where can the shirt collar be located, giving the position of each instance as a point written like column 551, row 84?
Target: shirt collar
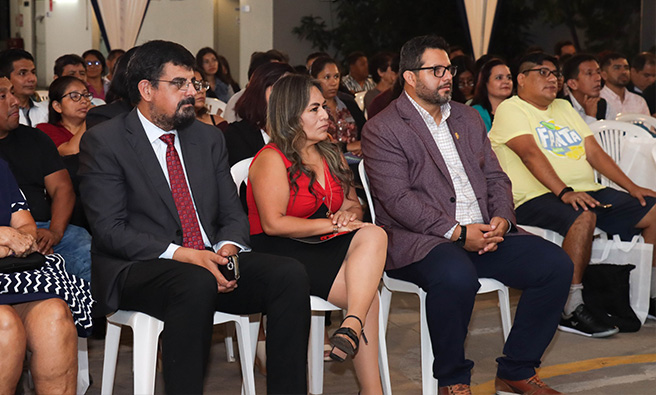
column 153, row 132
column 444, row 108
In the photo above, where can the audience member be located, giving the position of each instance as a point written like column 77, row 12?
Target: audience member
column 70, row 65
column 312, row 57
column 112, row 57
column 384, row 68
column 616, row 73
column 135, row 195
column 447, row 207
column 345, row 117
column 380, row 102
column 96, row 68
column 463, row 79
column 18, row 66
column 225, row 69
column 564, row 47
column 202, row 113
column 300, row 186
column 208, row 60
column 643, row 76
column 582, row 75
column 358, row 79
column 550, row 155
column 67, row 112
column 494, row 86
column 456, row 50
column 246, row 137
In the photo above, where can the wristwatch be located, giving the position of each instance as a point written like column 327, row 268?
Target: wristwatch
column 460, row 241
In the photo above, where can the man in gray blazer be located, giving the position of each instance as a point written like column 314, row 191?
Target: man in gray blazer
column 163, row 208
column 447, row 207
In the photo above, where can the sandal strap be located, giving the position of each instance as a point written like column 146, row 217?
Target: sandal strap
column 364, row 337
column 350, row 333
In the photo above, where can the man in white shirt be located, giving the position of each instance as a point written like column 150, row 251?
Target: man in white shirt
column 583, row 78
column 616, row 73
column 18, row 66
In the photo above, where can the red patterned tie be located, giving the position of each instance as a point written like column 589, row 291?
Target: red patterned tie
column 191, row 236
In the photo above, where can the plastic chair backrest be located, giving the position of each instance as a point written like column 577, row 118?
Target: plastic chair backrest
column 239, row 172
column 359, row 98
column 365, row 184
column 644, row 121
column 214, row 105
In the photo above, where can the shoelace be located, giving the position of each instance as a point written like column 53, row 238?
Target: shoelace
column 536, row 381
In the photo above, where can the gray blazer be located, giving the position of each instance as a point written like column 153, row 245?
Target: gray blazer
column 130, row 206
column 414, row 197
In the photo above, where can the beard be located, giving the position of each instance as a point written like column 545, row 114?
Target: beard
column 433, row 97
column 181, row 118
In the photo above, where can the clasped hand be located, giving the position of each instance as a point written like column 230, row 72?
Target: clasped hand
column 15, row 242
column 347, row 221
column 486, row 237
column 209, row 260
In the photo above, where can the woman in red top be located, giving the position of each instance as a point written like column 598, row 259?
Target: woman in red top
column 300, row 188
column 67, row 114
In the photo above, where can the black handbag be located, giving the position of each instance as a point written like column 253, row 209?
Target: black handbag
column 12, row 264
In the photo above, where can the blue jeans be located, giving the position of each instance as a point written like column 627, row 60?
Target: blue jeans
column 75, row 248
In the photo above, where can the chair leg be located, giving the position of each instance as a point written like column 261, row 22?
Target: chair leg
column 428, row 382
column 112, row 339
column 82, row 366
column 315, row 353
column 504, row 307
column 385, row 303
column 383, row 363
column 246, row 354
column 146, row 334
column 230, row 348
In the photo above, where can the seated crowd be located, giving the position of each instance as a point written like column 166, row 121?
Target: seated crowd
column 119, row 184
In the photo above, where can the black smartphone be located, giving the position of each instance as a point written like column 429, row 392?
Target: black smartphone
column 230, row 270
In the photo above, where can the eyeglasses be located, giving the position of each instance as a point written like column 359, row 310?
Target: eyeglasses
column 183, row 84
column 439, row 71
column 464, row 84
column 77, row 96
column 545, row 72
column 93, row 63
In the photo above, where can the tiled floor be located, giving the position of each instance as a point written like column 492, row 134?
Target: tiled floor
column 573, row 364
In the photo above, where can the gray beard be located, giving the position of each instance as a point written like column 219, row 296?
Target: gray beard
column 432, row 97
column 180, row 119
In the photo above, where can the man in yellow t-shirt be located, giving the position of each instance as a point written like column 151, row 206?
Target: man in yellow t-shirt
column 550, row 155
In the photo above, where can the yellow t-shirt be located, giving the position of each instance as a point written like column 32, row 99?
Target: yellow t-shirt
column 559, row 131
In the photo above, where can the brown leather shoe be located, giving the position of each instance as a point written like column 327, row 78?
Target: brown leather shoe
column 456, row 389
column 530, row 386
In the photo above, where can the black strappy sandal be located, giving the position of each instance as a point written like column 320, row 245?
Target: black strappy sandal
column 342, row 345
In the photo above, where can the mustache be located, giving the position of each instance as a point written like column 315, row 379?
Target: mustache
column 188, row 100
column 446, row 85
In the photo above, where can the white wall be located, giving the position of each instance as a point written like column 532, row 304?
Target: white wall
column 226, row 33
column 255, row 31
column 189, row 23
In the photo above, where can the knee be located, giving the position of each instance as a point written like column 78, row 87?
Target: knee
column 195, row 285
column 374, row 235
column 587, row 220
column 457, row 280
column 292, row 273
column 553, row 262
column 11, row 327
column 54, row 317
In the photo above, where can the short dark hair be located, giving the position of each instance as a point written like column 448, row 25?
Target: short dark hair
column 315, row 55
column 609, row 57
column 118, row 88
column 56, row 93
column 115, row 53
column 380, row 62
column 319, row 64
column 99, row 56
column 571, row 66
column 413, row 50
column 149, row 60
column 535, row 58
column 643, row 58
column 354, row 56
column 560, row 44
column 66, row 60
column 8, row 57
column 260, row 58
column 252, row 105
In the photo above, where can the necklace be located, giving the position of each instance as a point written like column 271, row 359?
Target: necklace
column 326, row 176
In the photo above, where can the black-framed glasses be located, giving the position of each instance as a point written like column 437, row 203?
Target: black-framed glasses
column 93, row 63
column 183, row 84
column 77, row 96
column 439, row 71
column 545, row 72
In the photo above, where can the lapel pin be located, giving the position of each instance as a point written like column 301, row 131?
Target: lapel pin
column 457, row 136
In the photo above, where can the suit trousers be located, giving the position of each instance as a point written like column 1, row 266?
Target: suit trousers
column 449, row 275
column 185, row 297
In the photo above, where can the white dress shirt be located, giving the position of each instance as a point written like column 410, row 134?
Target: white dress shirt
column 632, row 104
column 154, row 133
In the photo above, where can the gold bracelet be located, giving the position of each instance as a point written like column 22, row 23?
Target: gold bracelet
column 335, row 228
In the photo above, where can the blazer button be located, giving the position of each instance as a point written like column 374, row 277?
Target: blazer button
column 452, row 200
column 178, row 232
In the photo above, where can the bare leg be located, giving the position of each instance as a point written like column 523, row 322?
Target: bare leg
column 52, row 338
column 578, row 243
column 648, row 226
column 12, row 349
column 356, row 288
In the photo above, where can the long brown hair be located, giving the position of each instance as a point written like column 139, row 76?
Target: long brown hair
column 289, row 98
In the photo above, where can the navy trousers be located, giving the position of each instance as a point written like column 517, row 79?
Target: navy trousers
column 449, row 275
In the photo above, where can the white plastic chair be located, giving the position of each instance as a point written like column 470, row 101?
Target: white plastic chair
column 146, row 331
column 359, row 98
column 319, row 306
column 428, row 382
column 610, row 135
column 42, row 94
column 645, row 121
column 213, row 105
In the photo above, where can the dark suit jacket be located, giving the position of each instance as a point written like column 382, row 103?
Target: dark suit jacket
column 130, row 206
column 414, row 197
column 105, row 112
column 243, row 140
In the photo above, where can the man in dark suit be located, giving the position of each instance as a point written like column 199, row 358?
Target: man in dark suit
column 448, row 210
column 165, row 214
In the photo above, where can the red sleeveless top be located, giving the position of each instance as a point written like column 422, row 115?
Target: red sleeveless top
column 301, row 204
